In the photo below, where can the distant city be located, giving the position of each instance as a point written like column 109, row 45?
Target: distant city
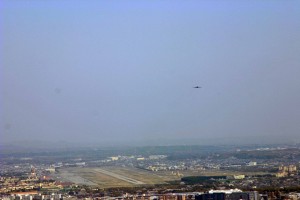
column 154, row 172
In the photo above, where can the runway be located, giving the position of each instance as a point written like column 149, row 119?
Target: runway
column 118, row 176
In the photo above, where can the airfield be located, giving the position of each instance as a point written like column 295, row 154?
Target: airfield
column 109, row 177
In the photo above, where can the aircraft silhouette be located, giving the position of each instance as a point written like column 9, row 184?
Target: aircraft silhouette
column 197, row 86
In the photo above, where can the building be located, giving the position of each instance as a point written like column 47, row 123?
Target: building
column 284, row 171
column 252, row 163
column 233, row 194
column 254, row 195
column 239, row 177
column 114, row 158
column 208, row 196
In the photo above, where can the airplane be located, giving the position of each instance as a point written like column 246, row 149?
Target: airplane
column 197, row 86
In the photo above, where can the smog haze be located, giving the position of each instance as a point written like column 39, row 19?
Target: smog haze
column 124, row 72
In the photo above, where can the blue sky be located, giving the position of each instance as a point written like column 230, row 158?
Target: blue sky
column 109, row 72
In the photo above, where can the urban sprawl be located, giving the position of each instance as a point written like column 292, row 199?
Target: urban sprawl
column 172, row 172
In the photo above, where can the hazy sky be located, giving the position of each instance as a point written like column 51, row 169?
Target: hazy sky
column 123, row 72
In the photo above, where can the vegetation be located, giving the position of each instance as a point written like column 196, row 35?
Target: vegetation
column 201, row 179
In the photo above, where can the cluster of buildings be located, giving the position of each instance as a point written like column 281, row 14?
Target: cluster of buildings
column 284, row 171
column 31, row 182
column 232, row 194
column 19, row 180
column 134, row 158
column 32, row 196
